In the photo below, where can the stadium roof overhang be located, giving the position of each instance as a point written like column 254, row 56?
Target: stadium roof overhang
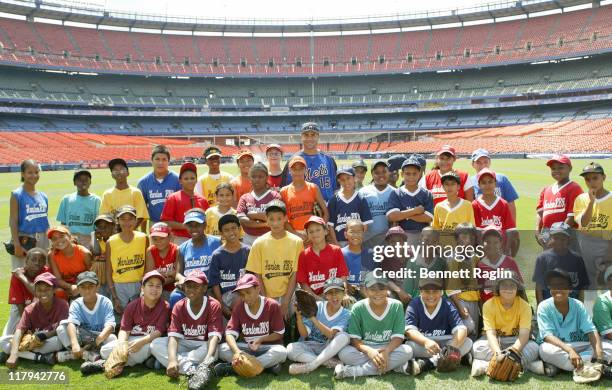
column 85, row 13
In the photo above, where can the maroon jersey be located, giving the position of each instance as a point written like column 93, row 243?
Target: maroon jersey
column 557, row 203
column 315, row 269
column 36, row 319
column 250, row 203
column 139, row 320
column 251, row 326
column 201, row 326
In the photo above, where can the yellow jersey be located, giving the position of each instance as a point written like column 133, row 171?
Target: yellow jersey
column 114, row 198
column 128, row 258
column 601, row 217
column 207, row 185
column 506, row 322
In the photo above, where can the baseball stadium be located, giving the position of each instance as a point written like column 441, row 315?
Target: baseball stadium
column 185, row 172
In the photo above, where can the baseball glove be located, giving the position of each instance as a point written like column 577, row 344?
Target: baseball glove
column 202, row 375
column 590, row 372
column 29, row 342
column 306, row 303
column 87, row 339
column 449, row 360
column 505, row 366
column 246, row 365
column 113, row 366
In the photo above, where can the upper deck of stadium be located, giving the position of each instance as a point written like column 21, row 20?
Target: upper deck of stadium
column 502, row 33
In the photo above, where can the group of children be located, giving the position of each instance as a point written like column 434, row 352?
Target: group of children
column 217, row 272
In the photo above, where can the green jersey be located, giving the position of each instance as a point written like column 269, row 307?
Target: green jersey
column 602, row 313
column 373, row 329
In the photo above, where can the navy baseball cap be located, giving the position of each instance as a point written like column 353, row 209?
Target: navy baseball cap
column 592, row 168
column 379, row 162
column 310, row 126
column 420, row 158
column 450, row 176
column 79, row 172
column 560, row 228
column 117, row 161
column 411, row 162
column 395, row 162
column 345, row 171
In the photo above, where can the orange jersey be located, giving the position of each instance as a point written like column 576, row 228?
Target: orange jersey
column 70, row 267
column 241, row 186
column 299, row 204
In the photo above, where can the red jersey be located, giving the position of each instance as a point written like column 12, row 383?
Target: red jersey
column 186, row 324
column 433, row 182
column 274, row 182
column 315, row 269
column 36, row 319
column 139, row 320
column 251, row 326
column 557, row 203
column 177, row 204
column 19, row 293
column 250, row 203
column 486, row 284
column 165, row 264
column 497, row 214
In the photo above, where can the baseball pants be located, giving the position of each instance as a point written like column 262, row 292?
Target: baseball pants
column 559, row 358
column 50, row 345
column 268, row 355
column 316, row 353
column 62, row 334
column 133, row 358
column 420, row 352
column 397, row 358
column 189, row 352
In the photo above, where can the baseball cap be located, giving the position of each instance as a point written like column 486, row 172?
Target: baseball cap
column 276, row 205
column 379, row 162
column 451, row 175
column 411, row 162
column 127, row 209
column 104, row 217
column 87, row 277
column 188, row 166
column 115, row 161
column 446, row 149
column 485, row 172
column 212, row 151
column 197, row 276
column 274, row 146
column 160, row 229
column 420, row 158
column 58, row 229
column 593, row 167
column 79, row 172
column 560, row 158
column 608, row 273
column 560, row 228
column 296, row 159
column 310, row 126
column 560, row 273
column 509, row 275
column 396, row 230
column 430, row 282
column 315, row 219
column 195, row 216
column 153, row 274
column 478, row 153
column 395, row 162
column 333, row 284
column 228, row 218
column 371, row 280
column 359, row 164
column 47, row 278
column 492, row 229
column 244, row 153
column 246, row 281
column 345, row 171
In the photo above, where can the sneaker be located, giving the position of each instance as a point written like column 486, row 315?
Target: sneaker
column 479, row 368
column 550, row 370
column 299, row 368
column 467, row 359
column 223, row 369
column 3, row 357
column 88, row 368
column 537, row 367
column 189, row 371
column 64, row 356
column 47, row 358
column 152, row 363
column 607, row 372
column 332, row 363
column 342, row 371
column 200, row 377
column 91, row 356
column 275, row 369
column 415, row 367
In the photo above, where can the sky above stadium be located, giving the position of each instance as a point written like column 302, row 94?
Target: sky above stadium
column 283, row 9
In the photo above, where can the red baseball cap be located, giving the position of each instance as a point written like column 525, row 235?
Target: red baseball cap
column 47, row 278
column 197, row 276
column 485, row 172
column 314, row 219
column 446, row 149
column 492, row 229
column 153, row 274
column 246, row 281
column 58, row 229
column 188, row 166
column 160, row 229
column 560, row 158
column 296, row 159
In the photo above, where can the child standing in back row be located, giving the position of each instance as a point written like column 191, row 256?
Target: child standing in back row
column 123, row 194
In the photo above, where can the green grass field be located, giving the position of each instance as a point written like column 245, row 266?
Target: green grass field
column 528, row 176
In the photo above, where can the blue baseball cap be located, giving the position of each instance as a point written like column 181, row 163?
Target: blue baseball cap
column 395, row 162
column 411, row 162
column 420, row 158
column 478, row 153
column 195, row 216
column 345, row 171
column 379, row 162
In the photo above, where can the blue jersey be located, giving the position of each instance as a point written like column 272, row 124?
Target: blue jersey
column 341, row 210
column 155, row 192
column 570, row 263
column 198, row 257
column 358, row 264
column 32, row 211
column 504, row 188
column 444, row 320
column 95, row 320
column 79, row 212
column 378, row 203
column 576, row 325
column 226, row 268
column 320, row 170
column 338, row 321
column 401, row 199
